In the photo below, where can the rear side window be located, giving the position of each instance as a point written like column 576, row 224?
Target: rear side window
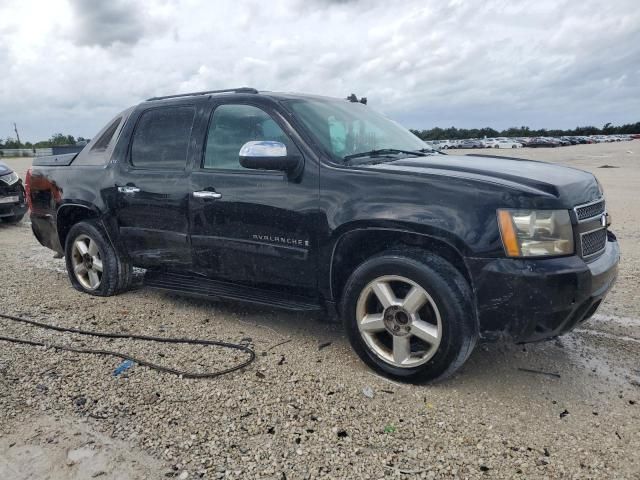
column 105, row 138
column 161, row 138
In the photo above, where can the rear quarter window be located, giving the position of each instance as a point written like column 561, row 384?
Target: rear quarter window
column 98, row 151
column 105, row 138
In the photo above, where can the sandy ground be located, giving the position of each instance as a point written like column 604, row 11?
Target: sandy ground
column 300, row 411
column 48, row 447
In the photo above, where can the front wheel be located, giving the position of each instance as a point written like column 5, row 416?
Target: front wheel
column 93, row 265
column 410, row 315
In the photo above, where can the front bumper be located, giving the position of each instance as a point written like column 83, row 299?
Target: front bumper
column 13, row 209
column 531, row 300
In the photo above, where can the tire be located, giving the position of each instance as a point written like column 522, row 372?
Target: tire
column 447, row 316
column 82, row 262
column 14, row 218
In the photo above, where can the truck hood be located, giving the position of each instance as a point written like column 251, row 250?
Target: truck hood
column 4, row 169
column 568, row 184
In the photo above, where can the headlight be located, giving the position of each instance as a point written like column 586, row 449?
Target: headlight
column 9, row 178
column 536, row 233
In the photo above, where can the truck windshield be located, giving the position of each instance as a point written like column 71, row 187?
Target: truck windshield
column 348, row 129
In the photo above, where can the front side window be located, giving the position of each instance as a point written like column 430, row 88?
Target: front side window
column 231, row 127
column 161, row 138
column 345, row 128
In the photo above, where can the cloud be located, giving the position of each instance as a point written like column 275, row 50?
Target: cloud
column 105, row 23
column 74, row 64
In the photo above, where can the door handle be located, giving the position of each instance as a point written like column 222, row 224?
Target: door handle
column 207, row 194
column 128, row 189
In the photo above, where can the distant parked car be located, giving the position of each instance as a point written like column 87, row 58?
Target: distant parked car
column 507, row 144
column 442, row 144
column 470, row 144
column 13, row 203
column 562, row 141
column 621, row 138
column 543, row 142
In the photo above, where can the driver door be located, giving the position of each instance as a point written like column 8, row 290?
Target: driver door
column 252, row 226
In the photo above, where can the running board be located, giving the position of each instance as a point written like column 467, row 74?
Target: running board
column 204, row 287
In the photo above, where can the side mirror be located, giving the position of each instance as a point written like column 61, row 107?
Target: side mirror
column 267, row 155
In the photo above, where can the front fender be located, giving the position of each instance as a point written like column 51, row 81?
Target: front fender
column 354, row 243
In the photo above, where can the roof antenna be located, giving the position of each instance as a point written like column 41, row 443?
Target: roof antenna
column 354, row 99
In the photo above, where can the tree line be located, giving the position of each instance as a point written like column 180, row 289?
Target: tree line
column 437, row 133
column 54, row 141
column 453, row 133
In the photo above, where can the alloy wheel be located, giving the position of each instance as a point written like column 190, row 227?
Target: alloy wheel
column 87, row 262
column 399, row 321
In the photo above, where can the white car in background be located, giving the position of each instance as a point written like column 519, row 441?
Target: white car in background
column 442, row 144
column 506, row 144
column 489, row 142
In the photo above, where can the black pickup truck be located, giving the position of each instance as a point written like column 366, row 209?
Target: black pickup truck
column 310, row 203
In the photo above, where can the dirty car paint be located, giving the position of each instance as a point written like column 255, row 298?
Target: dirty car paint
column 445, row 199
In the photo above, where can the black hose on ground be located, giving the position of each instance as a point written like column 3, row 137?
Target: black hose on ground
column 160, row 368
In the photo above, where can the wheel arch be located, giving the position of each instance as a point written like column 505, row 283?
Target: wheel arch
column 356, row 245
column 69, row 214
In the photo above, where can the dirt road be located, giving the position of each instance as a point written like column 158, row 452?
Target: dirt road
column 300, row 411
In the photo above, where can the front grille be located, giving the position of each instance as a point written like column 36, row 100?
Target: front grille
column 593, row 242
column 11, row 190
column 591, row 210
column 6, row 190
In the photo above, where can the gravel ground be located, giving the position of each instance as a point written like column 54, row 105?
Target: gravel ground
column 308, row 408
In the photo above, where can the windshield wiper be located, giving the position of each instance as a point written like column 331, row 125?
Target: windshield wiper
column 430, row 151
column 384, row 151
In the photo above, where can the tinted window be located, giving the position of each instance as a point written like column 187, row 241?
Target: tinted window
column 106, row 137
column 231, row 127
column 161, row 138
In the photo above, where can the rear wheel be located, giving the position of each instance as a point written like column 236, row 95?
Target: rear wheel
column 93, row 265
column 410, row 315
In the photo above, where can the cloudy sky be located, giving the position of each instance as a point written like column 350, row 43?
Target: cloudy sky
column 70, row 65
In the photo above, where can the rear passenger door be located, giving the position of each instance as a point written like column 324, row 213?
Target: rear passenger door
column 255, row 226
column 152, row 188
